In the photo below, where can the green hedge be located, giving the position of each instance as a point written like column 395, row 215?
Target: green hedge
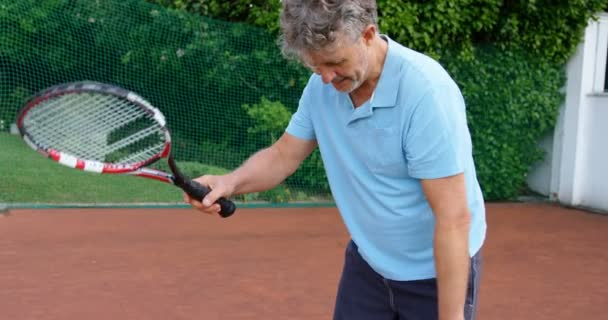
column 512, row 99
column 549, row 29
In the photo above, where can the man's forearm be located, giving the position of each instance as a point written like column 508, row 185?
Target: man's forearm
column 262, row 171
column 452, row 263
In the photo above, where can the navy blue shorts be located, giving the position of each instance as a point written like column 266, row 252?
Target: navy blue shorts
column 364, row 294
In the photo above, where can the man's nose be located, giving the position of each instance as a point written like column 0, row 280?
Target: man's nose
column 327, row 75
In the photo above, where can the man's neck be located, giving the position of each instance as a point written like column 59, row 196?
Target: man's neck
column 377, row 57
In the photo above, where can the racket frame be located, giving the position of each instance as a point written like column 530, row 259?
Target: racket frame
column 137, row 168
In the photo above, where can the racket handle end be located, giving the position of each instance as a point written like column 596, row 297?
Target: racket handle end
column 228, row 207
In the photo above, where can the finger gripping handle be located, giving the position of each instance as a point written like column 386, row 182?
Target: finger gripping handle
column 198, row 192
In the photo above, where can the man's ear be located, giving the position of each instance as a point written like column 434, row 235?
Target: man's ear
column 369, row 33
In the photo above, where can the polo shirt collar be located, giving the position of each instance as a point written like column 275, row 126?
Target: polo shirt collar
column 385, row 94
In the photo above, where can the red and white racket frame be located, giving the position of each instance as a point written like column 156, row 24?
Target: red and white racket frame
column 71, row 161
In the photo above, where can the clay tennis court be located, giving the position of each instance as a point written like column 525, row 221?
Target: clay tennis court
column 541, row 262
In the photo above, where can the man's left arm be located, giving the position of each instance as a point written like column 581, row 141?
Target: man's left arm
column 448, row 200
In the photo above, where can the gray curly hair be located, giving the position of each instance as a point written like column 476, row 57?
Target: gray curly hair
column 316, row 24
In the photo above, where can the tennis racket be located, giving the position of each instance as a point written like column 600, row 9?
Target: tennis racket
column 103, row 128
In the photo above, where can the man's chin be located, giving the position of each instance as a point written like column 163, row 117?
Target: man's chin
column 346, row 86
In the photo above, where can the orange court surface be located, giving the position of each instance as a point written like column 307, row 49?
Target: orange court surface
column 541, row 262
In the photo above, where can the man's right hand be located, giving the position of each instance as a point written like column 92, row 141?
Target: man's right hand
column 262, row 171
column 220, row 187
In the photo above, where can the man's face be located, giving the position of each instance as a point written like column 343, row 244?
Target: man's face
column 344, row 64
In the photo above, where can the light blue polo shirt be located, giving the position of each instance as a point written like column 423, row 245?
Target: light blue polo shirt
column 414, row 127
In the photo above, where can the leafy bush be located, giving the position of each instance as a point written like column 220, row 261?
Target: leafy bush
column 547, row 29
column 261, row 13
column 270, row 118
column 512, row 99
column 434, row 26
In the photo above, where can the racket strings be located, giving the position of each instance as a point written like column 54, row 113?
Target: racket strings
column 68, row 123
column 95, row 126
column 80, row 129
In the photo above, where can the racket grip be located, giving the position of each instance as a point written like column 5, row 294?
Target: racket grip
column 198, row 192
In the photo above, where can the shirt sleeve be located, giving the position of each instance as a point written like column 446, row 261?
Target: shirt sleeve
column 301, row 125
column 434, row 140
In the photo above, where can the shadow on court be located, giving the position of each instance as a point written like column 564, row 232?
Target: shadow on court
column 540, row 262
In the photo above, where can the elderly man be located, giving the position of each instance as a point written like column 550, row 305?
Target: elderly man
column 391, row 127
